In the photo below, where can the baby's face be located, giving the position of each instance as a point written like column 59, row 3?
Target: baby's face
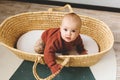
column 69, row 30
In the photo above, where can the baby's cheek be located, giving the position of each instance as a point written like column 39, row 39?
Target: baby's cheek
column 74, row 36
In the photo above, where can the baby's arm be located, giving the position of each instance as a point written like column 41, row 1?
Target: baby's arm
column 80, row 47
column 50, row 58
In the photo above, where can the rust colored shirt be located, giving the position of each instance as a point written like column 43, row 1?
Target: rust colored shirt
column 54, row 43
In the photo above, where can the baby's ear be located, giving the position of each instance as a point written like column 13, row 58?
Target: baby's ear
column 60, row 27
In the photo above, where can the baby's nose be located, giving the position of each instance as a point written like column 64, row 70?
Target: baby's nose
column 68, row 33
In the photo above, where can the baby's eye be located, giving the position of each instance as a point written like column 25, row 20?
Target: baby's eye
column 65, row 29
column 73, row 30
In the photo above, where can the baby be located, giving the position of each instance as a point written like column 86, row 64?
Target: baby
column 61, row 40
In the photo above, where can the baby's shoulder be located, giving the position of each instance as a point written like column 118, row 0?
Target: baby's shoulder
column 53, row 39
column 51, row 32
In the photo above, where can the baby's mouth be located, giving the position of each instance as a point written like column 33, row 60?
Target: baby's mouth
column 68, row 38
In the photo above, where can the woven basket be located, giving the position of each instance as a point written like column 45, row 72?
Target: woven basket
column 13, row 27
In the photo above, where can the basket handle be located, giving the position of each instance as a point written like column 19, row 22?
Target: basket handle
column 62, row 8
column 66, row 60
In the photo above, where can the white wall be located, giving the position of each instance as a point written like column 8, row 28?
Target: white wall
column 106, row 3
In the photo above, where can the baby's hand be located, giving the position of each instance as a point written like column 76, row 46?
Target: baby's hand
column 55, row 68
column 84, row 52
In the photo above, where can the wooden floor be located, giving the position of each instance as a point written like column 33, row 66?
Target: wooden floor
column 112, row 19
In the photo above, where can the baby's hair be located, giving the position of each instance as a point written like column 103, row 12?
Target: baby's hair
column 75, row 17
column 72, row 15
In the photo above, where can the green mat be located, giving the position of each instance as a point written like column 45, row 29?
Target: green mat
column 24, row 72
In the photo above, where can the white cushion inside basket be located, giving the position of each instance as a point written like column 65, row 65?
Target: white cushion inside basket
column 27, row 41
